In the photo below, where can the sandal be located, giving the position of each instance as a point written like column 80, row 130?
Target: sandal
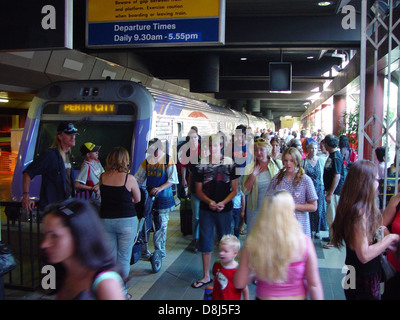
column 328, row 245
column 199, row 284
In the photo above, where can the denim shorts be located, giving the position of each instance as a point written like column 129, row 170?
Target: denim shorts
column 207, row 221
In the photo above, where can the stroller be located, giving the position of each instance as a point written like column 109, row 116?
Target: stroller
column 144, row 210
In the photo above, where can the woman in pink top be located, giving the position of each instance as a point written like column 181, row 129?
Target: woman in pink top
column 279, row 254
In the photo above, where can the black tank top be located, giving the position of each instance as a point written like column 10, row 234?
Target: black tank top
column 370, row 267
column 116, row 202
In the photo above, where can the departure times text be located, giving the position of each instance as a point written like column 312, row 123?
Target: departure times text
column 154, row 32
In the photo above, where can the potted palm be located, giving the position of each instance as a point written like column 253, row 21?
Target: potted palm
column 350, row 126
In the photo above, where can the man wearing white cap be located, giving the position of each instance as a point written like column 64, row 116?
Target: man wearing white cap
column 91, row 169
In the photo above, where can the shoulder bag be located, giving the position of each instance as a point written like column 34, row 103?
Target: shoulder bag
column 7, row 260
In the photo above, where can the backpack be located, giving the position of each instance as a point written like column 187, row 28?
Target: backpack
column 353, row 157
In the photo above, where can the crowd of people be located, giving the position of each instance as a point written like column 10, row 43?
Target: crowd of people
column 109, row 217
column 284, row 189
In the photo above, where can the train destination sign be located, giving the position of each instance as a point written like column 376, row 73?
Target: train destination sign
column 88, row 108
column 124, row 23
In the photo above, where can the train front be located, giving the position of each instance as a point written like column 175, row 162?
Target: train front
column 109, row 113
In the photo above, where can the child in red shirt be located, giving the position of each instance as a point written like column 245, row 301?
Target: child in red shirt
column 224, row 270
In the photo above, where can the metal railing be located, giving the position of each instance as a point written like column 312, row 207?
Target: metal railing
column 21, row 232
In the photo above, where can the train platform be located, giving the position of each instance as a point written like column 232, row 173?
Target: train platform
column 182, row 266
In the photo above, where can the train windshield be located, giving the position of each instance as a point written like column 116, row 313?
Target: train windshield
column 105, row 129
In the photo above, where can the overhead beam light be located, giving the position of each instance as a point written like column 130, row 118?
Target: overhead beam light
column 4, row 100
column 324, row 3
column 282, row 91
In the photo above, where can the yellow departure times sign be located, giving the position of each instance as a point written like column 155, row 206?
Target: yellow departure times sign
column 88, row 108
column 126, row 10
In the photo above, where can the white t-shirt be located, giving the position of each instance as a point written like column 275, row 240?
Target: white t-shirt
column 96, row 169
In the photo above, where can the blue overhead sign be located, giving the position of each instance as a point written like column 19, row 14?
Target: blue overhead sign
column 154, row 32
column 164, row 23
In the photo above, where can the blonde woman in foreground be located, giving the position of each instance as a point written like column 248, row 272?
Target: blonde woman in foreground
column 285, row 265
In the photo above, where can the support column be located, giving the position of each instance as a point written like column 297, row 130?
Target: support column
column 269, row 114
column 304, row 122
column 254, row 105
column 374, row 129
column 239, row 105
column 339, row 107
column 15, row 121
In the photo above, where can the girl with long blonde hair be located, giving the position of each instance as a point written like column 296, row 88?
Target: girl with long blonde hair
column 296, row 158
column 279, row 254
column 293, row 179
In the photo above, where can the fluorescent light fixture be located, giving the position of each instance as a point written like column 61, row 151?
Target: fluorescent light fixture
column 283, row 91
column 288, row 117
column 3, row 100
column 243, row 59
column 310, row 57
column 324, row 3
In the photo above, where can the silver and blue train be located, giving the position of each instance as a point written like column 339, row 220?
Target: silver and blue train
column 117, row 113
